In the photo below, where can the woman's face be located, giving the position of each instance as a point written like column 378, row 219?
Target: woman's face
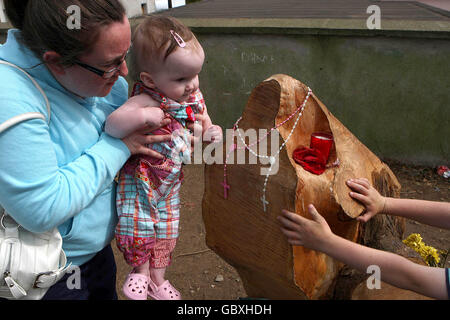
column 108, row 53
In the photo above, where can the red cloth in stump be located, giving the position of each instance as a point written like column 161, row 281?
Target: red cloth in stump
column 311, row 160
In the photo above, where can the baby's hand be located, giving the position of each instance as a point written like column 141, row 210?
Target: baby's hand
column 196, row 128
column 213, row 134
column 368, row 196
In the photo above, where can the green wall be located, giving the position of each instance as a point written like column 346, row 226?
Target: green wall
column 392, row 93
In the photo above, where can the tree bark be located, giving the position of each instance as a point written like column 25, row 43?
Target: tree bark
column 243, row 234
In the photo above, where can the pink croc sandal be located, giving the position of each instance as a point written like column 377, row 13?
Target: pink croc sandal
column 136, row 286
column 164, row 292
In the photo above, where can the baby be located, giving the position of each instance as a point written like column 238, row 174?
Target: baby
column 166, row 60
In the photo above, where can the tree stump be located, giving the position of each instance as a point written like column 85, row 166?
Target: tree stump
column 248, row 238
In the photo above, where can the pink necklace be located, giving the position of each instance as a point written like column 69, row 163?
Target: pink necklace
column 272, row 159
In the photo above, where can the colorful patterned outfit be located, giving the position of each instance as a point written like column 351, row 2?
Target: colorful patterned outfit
column 148, row 202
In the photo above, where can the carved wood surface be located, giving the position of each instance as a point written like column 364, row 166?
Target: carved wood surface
column 238, row 229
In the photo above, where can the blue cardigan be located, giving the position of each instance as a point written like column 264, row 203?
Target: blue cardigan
column 58, row 175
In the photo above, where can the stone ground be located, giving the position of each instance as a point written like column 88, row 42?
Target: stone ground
column 199, row 274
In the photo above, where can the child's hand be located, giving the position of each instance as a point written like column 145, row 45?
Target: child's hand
column 300, row 231
column 197, row 128
column 368, row 196
column 213, row 134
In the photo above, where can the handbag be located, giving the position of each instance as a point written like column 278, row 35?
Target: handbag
column 30, row 263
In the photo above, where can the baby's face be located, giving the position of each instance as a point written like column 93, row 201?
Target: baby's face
column 178, row 77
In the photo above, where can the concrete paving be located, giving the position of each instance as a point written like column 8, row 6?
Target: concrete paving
column 315, row 9
column 439, row 4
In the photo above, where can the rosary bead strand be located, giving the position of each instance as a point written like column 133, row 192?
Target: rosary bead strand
column 272, row 158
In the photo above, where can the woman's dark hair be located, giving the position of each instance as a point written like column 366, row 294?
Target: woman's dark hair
column 44, row 24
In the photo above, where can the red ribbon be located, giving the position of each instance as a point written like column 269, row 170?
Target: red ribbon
column 190, row 113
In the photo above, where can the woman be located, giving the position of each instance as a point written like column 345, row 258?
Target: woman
column 61, row 174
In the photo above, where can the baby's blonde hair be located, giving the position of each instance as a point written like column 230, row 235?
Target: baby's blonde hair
column 153, row 42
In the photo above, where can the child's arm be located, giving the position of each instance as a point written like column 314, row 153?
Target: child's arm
column 396, row 270
column 428, row 212
column 210, row 131
column 138, row 112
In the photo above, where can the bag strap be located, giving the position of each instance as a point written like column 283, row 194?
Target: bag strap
column 44, row 279
column 47, row 279
column 24, row 116
column 29, row 115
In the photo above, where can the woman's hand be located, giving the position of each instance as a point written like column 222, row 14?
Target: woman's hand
column 300, row 231
column 368, row 196
column 138, row 141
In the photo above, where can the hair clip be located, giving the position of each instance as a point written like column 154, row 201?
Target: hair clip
column 178, row 39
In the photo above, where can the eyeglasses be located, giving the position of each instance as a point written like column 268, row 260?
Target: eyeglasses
column 102, row 73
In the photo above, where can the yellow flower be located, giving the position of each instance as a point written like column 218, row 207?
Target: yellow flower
column 429, row 254
column 413, row 241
